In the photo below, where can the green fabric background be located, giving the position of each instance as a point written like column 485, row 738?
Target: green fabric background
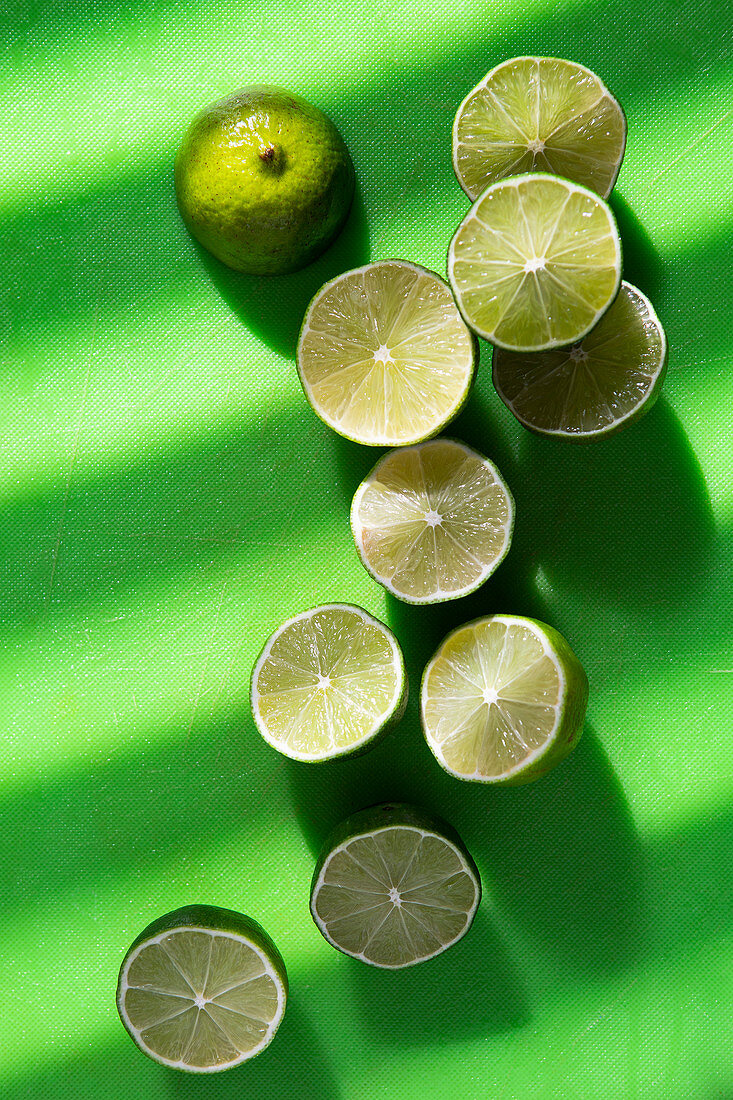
column 169, row 498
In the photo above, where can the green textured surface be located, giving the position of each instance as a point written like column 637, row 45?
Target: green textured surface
column 169, row 499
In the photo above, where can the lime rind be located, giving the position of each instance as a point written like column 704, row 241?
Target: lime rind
column 370, row 823
column 385, row 439
column 264, row 215
column 385, row 722
column 569, row 712
column 594, row 313
column 438, row 596
column 215, row 922
column 603, row 94
column 383, row 815
column 502, row 362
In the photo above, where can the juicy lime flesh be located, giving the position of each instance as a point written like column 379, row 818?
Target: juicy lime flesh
column 539, row 114
column 329, row 681
column 535, row 262
column 200, row 999
column 433, row 520
column 264, row 180
column 598, row 383
column 395, row 896
column 491, row 698
column 385, row 357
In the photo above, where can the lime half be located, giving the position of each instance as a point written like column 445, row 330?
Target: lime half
column 535, row 263
column 503, row 700
column 594, row 388
column 394, row 887
column 432, row 522
column 539, row 114
column 384, row 356
column 202, row 989
column 328, row 683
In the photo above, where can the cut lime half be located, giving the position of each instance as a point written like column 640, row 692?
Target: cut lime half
column 394, row 886
column 539, row 114
column 384, row 356
column 202, row 989
column 535, row 263
column 503, row 700
column 594, row 388
column 328, row 683
column 433, row 521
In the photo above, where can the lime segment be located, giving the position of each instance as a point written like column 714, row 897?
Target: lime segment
column 384, row 356
column 535, row 263
column 327, row 683
column 432, row 522
column 202, row 989
column 539, row 114
column 503, row 700
column 591, row 390
column 394, row 887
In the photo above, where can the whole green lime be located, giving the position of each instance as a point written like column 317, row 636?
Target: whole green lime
column 264, row 180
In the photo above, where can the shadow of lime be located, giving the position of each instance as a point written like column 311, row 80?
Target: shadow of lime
column 719, row 1085
column 293, row 1067
column 560, row 857
column 273, row 306
column 642, row 264
column 486, row 425
column 354, row 462
column 472, row 989
column 620, row 531
column 566, row 864
column 625, row 523
column 226, row 495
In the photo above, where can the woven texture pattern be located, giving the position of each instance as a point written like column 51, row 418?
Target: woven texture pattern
column 169, row 499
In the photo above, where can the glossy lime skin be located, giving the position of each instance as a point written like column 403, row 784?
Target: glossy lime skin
column 264, row 180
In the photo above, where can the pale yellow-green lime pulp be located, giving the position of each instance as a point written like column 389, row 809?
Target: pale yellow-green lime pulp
column 432, row 522
column 395, row 897
column 535, row 263
column 327, row 683
column 384, row 356
column 503, row 700
column 609, row 379
column 200, row 1000
column 539, row 114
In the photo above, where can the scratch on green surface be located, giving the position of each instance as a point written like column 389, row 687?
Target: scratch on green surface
column 72, row 460
column 192, row 524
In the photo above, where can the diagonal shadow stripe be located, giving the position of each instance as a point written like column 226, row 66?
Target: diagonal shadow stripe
column 666, row 31
column 233, row 497
column 116, row 240
column 586, row 890
column 122, row 249
column 225, row 496
column 302, row 1063
column 294, row 1067
column 695, row 869
column 109, row 821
